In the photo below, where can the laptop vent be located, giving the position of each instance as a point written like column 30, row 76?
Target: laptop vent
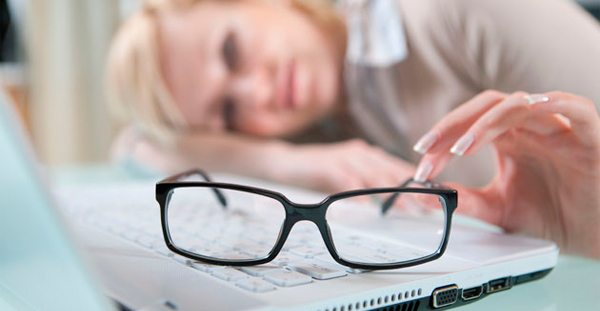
column 406, row 306
column 376, row 303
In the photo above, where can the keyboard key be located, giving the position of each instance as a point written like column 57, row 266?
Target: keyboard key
column 263, row 238
column 289, row 245
column 308, row 251
column 378, row 257
column 318, row 270
column 406, row 253
column 287, row 278
column 365, row 255
column 330, row 261
column 396, row 250
column 208, row 235
column 210, row 249
column 238, row 242
column 285, row 258
column 183, row 260
column 256, row 285
column 230, row 274
column 187, row 241
column 163, row 250
column 259, row 251
column 304, row 238
column 204, row 267
column 261, row 270
column 231, row 255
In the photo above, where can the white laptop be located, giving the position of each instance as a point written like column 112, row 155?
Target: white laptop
column 118, row 229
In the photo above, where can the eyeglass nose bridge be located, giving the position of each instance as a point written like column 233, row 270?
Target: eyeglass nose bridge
column 314, row 213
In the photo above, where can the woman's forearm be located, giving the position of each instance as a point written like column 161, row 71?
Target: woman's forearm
column 229, row 153
column 212, row 152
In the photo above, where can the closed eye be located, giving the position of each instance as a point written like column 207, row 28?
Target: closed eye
column 230, row 51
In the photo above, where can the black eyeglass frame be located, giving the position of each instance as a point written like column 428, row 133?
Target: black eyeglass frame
column 294, row 212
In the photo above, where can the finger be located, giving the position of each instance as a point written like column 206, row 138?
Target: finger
column 510, row 113
column 436, row 144
column 581, row 112
column 453, row 125
column 431, row 165
column 546, row 124
column 517, row 110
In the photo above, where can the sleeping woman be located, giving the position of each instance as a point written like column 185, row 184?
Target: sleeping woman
column 350, row 96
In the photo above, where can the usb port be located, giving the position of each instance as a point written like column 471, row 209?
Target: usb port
column 498, row 284
column 472, row 293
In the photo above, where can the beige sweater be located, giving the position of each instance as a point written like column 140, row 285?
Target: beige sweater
column 458, row 48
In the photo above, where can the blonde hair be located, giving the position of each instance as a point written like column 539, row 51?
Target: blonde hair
column 136, row 88
column 137, row 91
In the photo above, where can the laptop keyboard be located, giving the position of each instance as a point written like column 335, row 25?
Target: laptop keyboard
column 136, row 218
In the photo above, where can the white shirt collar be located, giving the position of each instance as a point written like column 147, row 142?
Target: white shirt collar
column 375, row 32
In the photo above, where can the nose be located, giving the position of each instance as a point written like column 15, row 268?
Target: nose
column 255, row 89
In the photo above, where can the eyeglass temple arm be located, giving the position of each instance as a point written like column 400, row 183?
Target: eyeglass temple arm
column 390, row 201
column 205, row 176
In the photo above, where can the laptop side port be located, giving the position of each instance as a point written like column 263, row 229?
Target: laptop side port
column 472, row 293
column 445, row 296
column 499, row 284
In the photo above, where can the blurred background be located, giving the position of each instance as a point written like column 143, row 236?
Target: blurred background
column 52, row 55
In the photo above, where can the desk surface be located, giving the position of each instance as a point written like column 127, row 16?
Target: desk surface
column 573, row 285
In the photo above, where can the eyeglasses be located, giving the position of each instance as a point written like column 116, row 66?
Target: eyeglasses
column 236, row 225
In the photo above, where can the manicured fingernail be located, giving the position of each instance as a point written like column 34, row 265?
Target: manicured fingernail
column 423, row 171
column 536, row 98
column 425, row 142
column 461, row 146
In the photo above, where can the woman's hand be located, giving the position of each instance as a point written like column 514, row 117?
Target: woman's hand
column 338, row 167
column 547, row 148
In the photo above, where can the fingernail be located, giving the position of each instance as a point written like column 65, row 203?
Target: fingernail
column 425, row 142
column 461, row 146
column 423, row 171
column 536, row 98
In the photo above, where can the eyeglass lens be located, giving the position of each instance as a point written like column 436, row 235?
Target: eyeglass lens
column 246, row 228
column 414, row 228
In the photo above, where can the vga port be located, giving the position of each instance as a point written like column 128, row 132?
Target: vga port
column 445, row 296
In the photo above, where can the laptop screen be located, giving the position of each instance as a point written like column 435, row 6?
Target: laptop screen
column 39, row 268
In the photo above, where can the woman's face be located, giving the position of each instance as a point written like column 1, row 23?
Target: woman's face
column 253, row 66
